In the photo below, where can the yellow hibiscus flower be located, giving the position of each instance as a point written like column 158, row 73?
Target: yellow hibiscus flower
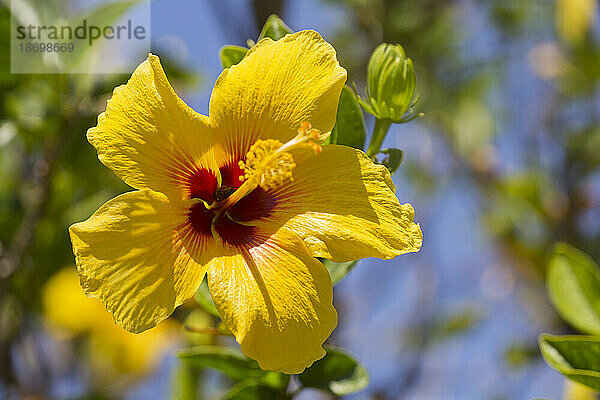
column 224, row 196
column 111, row 350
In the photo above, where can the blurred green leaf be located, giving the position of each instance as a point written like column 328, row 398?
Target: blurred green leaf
column 582, row 147
column 231, row 55
column 185, row 383
column 232, row 363
column 275, row 380
column 253, row 391
column 337, row 373
column 573, row 284
column 107, row 12
column 38, row 12
column 392, row 160
column 274, row 28
column 225, row 359
column 338, row 270
column 520, row 354
column 456, row 323
column 198, row 328
column 439, row 327
column 577, row 357
column 349, row 129
column 204, row 299
column 104, row 14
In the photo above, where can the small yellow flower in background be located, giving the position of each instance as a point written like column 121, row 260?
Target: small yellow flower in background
column 247, row 196
column 574, row 19
column 110, row 348
column 65, row 306
column 116, row 351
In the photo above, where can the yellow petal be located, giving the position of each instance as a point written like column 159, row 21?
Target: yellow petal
column 131, row 255
column 277, row 300
column 149, row 137
column 274, row 88
column 344, row 208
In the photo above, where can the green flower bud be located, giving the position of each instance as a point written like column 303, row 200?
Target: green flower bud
column 391, row 83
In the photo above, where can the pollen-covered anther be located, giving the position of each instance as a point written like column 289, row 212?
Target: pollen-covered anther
column 268, row 164
column 304, row 128
column 316, row 147
column 307, row 136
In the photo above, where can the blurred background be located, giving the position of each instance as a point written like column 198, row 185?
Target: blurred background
column 505, row 162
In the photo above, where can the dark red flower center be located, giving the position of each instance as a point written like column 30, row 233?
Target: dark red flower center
column 230, row 226
column 202, row 185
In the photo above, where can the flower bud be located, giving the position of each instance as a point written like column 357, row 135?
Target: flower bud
column 391, row 83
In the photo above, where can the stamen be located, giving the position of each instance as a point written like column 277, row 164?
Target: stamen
column 269, row 163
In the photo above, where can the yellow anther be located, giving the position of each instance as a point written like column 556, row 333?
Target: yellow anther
column 316, row 147
column 305, row 131
column 267, row 165
column 311, row 137
column 304, row 127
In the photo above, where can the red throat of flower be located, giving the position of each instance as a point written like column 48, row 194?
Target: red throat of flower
column 247, row 191
column 205, row 221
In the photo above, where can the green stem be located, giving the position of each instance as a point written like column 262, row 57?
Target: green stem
column 185, row 384
column 379, row 132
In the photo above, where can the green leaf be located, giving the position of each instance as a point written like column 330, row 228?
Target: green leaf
column 338, row 270
column 577, row 357
column 274, row 28
column 204, row 299
column 337, row 373
column 225, row 359
column 184, row 383
column 231, row 55
column 252, row 391
column 392, row 160
column 232, row 363
column 349, row 126
column 573, row 284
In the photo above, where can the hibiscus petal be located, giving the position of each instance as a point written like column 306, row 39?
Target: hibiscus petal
column 344, row 208
column 277, row 300
column 129, row 254
column 276, row 87
column 149, row 137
